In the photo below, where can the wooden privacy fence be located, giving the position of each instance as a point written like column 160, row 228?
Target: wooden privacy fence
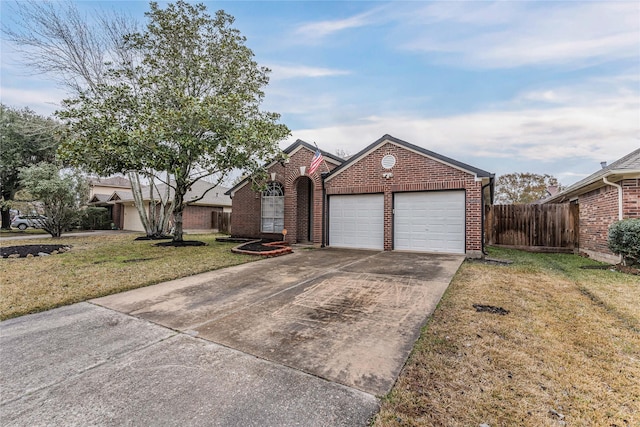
column 548, row 228
column 221, row 221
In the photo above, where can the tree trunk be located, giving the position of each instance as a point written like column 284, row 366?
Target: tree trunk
column 138, row 200
column 6, row 210
column 6, row 218
column 178, row 209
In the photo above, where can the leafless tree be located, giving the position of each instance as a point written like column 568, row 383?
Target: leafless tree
column 75, row 50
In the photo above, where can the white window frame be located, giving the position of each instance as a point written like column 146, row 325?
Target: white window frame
column 272, row 208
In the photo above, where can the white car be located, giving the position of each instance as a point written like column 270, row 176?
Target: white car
column 24, row 221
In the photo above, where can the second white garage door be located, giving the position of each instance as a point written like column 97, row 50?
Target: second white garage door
column 356, row 221
column 430, row 221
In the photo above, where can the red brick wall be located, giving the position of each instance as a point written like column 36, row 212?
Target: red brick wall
column 245, row 221
column 599, row 209
column 412, row 172
column 198, row 217
column 631, row 198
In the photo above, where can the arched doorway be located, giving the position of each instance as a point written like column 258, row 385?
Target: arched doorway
column 304, row 204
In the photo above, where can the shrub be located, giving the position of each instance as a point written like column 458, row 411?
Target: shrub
column 95, row 218
column 624, row 239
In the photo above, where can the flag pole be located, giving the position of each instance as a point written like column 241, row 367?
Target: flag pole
column 323, row 160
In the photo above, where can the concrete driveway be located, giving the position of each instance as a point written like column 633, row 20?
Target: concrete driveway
column 305, row 339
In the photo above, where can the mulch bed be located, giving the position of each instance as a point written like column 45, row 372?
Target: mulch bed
column 256, row 247
column 181, row 244
column 154, row 238
column 232, row 239
column 24, row 250
column 263, row 248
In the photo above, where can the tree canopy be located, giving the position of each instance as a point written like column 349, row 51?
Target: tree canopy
column 521, row 188
column 61, row 194
column 26, row 139
column 186, row 101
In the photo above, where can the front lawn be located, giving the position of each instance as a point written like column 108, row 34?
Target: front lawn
column 568, row 351
column 101, row 265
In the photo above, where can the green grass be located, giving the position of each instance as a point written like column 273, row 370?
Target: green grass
column 15, row 232
column 101, row 265
column 569, row 344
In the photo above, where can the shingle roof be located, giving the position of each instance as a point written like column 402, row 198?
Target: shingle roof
column 630, row 163
column 214, row 197
column 353, row 159
column 99, row 198
column 288, row 150
column 114, row 181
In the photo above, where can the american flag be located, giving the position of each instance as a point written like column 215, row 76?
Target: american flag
column 315, row 163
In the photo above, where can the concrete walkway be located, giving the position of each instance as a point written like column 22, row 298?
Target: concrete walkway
column 308, row 339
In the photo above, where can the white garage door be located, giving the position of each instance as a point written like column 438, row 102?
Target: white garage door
column 356, row 221
column 430, row 221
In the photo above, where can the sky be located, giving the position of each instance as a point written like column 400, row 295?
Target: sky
column 549, row 87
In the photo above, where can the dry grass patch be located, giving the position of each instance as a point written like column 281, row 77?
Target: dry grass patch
column 559, row 356
column 101, row 265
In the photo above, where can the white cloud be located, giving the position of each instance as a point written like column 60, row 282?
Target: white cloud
column 578, row 124
column 42, row 101
column 512, row 34
column 320, row 29
column 282, row 72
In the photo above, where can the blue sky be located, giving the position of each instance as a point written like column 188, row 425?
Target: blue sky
column 546, row 86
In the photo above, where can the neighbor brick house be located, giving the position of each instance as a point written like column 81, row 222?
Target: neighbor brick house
column 604, row 197
column 196, row 216
column 392, row 195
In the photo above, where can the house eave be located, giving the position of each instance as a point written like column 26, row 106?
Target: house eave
column 477, row 173
column 614, row 175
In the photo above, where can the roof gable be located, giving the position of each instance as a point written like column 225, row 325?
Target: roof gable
column 414, row 148
column 290, row 150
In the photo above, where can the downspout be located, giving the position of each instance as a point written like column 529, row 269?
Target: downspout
column 619, row 187
column 482, row 231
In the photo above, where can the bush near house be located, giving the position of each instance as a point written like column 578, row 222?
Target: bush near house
column 624, row 239
column 95, row 218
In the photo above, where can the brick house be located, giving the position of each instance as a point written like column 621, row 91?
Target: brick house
column 604, row 197
column 196, row 216
column 392, row 195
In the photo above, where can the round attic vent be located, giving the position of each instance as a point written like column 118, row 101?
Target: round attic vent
column 388, row 161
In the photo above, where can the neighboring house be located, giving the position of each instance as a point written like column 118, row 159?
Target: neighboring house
column 196, row 216
column 101, row 190
column 392, row 195
column 608, row 195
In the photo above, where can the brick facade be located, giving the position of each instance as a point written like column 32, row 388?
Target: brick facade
column 599, row 209
column 412, row 172
column 303, row 205
column 198, row 217
column 246, row 218
column 631, row 198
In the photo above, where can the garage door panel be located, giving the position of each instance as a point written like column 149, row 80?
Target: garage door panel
column 430, row 221
column 356, row 221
